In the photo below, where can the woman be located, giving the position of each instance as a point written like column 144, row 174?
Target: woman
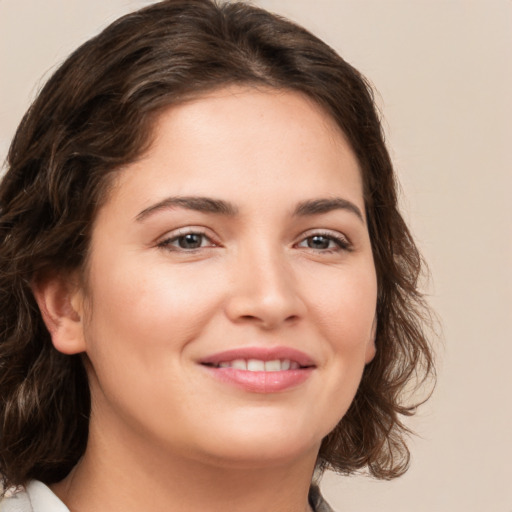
column 207, row 289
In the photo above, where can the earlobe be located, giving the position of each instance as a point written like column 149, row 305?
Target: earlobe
column 371, row 349
column 61, row 305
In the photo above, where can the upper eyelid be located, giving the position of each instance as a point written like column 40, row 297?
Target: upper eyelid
column 206, row 232
column 324, row 232
column 343, row 241
column 186, row 230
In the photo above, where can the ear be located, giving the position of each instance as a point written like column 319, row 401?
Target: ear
column 60, row 301
column 370, row 347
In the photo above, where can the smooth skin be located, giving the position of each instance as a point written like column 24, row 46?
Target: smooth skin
column 242, row 226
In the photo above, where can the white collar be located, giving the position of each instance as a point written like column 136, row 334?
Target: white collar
column 36, row 497
column 43, row 499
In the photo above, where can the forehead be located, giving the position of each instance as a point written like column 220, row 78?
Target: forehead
column 232, row 139
column 287, row 107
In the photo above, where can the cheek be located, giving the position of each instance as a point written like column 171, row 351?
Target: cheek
column 345, row 313
column 345, row 317
column 137, row 333
column 345, row 308
column 146, row 308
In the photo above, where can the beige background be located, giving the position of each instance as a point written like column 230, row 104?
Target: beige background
column 444, row 74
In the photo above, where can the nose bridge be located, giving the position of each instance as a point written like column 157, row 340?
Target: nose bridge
column 265, row 289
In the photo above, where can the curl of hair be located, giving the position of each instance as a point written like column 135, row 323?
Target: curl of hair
column 96, row 114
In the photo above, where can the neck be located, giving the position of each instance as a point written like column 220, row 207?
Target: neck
column 110, row 478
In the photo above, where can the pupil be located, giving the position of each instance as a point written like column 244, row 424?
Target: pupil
column 190, row 241
column 318, row 242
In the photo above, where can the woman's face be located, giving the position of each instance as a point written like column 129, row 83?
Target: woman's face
column 231, row 292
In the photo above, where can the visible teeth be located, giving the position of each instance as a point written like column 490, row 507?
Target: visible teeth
column 255, row 365
column 239, row 364
column 273, row 366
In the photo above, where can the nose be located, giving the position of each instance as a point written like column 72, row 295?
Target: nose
column 264, row 290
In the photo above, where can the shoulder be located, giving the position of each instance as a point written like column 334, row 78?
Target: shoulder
column 35, row 497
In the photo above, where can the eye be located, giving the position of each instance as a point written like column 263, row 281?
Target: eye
column 325, row 242
column 187, row 241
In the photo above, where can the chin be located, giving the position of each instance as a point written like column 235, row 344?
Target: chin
column 249, row 455
column 259, row 445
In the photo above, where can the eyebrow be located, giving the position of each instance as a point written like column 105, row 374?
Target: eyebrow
column 200, row 204
column 319, row 206
column 221, row 207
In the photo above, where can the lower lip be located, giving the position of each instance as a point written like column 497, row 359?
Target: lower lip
column 261, row 382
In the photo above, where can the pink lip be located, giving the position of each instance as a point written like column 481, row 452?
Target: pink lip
column 262, row 353
column 260, row 382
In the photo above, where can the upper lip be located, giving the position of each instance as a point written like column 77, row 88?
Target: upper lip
column 260, row 353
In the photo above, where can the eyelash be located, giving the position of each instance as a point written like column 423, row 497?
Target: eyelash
column 341, row 242
column 181, row 234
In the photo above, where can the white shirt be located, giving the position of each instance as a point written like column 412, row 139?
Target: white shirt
column 36, row 497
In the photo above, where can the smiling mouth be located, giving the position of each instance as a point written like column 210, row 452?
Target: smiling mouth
column 258, row 365
column 257, row 369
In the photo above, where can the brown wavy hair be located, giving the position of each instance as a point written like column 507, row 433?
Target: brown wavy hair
column 96, row 114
